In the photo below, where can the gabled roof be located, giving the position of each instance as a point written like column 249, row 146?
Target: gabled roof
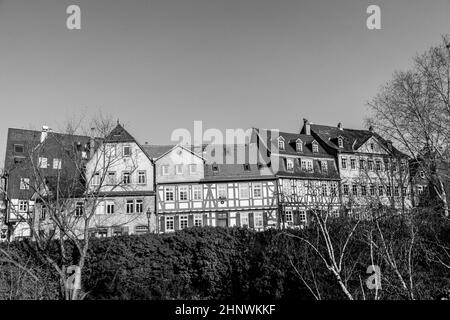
column 156, row 151
column 188, row 149
column 119, row 134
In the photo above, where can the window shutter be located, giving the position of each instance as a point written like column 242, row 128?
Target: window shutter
column 177, row 222
column 296, row 217
column 264, row 219
column 251, row 222
column 205, row 220
column 238, row 219
column 162, row 222
column 191, row 220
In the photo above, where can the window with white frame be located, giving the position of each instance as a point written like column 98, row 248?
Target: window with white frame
column 43, row 163
column 193, row 168
column 109, row 207
column 142, row 177
column 315, row 147
column 299, row 145
column 303, row 164
column 353, row 164
column 340, row 142
column 96, row 179
column 363, row 190
column 23, row 205
column 372, row 190
column 290, row 164
column 126, row 151
column 362, row 164
column 139, row 205
column 165, row 170
column 378, row 165
column 183, row 222
column 197, row 192
column 344, row 163
column 111, row 176
column 389, row 191
column 309, row 164
column 244, row 219
column 370, row 164
column 222, row 192
column 169, row 194
column 183, row 193
column 302, row 216
column 324, row 165
column 57, row 163
column 79, row 209
column 24, row 183
column 324, row 190
column 420, row 190
column 280, row 143
column 289, row 217
column 129, row 206
column 170, row 223
column 178, row 169
column 345, row 189
column 333, row 189
column 44, row 211
column 142, row 229
column 198, row 220
column 243, row 191
column 258, row 217
column 354, row 190
column 257, row 190
column 126, row 177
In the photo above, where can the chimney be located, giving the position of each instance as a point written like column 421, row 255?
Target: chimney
column 44, row 133
column 307, row 127
column 340, row 126
column 91, row 143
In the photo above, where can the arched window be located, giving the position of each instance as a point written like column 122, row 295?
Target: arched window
column 340, row 142
column 281, row 143
column 299, row 145
column 315, row 147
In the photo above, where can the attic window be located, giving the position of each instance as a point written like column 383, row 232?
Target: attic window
column 299, row 145
column 246, row 167
column 290, row 164
column 18, row 148
column 126, row 151
column 315, row 147
column 372, row 146
column 340, row 142
column 281, row 143
column 215, row 167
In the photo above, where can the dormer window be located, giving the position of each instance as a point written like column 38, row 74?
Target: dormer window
column 281, row 143
column 340, row 142
column 299, row 145
column 290, row 164
column 315, row 147
column 246, row 167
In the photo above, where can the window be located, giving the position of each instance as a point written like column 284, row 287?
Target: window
column 354, row 190
column 324, row 190
column 215, row 167
column 222, row 191
column 193, row 168
column 197, row 192
column 299, row 145
column 289, row 217
column 56, row 163
column 178, row 169
column 280, row 143
column 165, row 170
column 422, row 174
column 394, row 167
column 130, row 206
column 142, row 177
column 345, row 189
column 386, row 164
column 420, row 190
column 79, row 209
column 344, row 163
column 362, row 164
column 259, row 222
column 126, row 177
column 363, row 190
column 302, row 216
column 246, row 167
column 353, row 164
column 380, row 191
column 111, row 177
column 96, row 179
column 257, row 190
column 340, row 142
column 243, row 191
column 378, row 165
column 126, row 151
column 309, row 164
column 170, row 223
column 24, row 183
column 290, row 164
column 324, row 165
column 388, row 191
column 244, row 219
column 315, row 147
column 372, row 190
column 169, row 193
column 44, row 210
column 141, row 229
column 183, row 222
column 396, row 191
column 18, row 148
column 403, row 164
column 102, row 233
column 109, row 207
column 198, row 220
column 139, row 206
column 303, row 164
column 23, row 206
column 183, row 193
column 372, row 146
column 370, row 164
column 43, row 163
column 117, row 232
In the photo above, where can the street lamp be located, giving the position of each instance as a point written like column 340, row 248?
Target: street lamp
column 148, row 213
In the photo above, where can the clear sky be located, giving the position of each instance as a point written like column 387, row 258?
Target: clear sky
column 157, row 65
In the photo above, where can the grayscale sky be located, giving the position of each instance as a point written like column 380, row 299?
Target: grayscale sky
column 157, row 65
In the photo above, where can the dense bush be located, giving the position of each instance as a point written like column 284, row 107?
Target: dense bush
column 236, row 263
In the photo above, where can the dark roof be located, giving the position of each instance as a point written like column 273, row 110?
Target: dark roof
column 155, row 151
column 233, row 172
column 119, row 134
